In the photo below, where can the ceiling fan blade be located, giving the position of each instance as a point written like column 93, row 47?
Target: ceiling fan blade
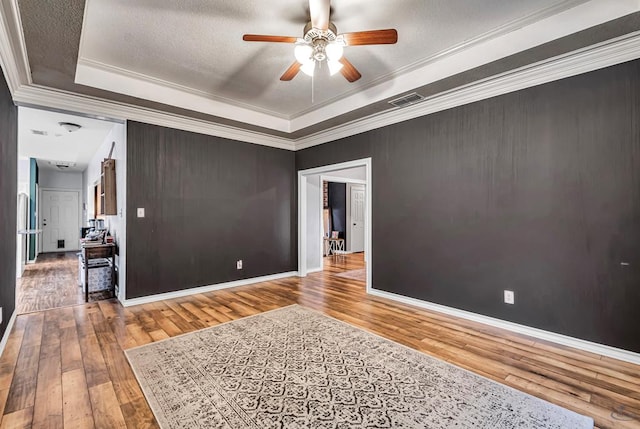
column 349, row 71
column 319, row 11
column 372, row 37
column 291, row 71
column 264, row 38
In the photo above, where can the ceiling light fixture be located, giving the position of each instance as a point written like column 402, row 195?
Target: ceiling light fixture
column 319, row 46
column 70, row 127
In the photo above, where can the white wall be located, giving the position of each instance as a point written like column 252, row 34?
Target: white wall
column 314, row 212
column 24, row 174
column 116, row 224
column 358, row 173
column 48, row 178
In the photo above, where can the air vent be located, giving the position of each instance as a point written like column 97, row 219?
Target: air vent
column 39, row 133
column 407, row 100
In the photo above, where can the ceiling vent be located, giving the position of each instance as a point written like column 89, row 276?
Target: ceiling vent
column 407, row 100
column 39, row 132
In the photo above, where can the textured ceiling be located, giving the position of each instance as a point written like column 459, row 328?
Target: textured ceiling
column 197, row 46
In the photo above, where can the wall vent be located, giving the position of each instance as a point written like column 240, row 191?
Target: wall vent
column 407, row 100
column 39, row 133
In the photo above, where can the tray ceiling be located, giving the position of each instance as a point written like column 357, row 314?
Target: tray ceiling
column 188, row 58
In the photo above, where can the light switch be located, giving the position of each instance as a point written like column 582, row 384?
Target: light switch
column 140, row 211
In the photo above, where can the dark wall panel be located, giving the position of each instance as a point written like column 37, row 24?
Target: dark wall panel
column 8, row 202
column 536, row 191
column 209, row 201
column 338, row 205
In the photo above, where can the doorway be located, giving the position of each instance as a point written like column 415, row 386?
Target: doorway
column 60, row 220
column 310, row 203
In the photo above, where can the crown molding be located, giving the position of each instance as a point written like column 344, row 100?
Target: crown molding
column 588, row 59
column 13, row 52
column 37, row 96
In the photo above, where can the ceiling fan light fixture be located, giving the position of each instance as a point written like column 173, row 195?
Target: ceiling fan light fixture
column 308, row 68
column 303, row 54
column 334, row 66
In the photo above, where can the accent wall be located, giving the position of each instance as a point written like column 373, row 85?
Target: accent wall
column 8, row 202
column 536, row 191
column 208, row 203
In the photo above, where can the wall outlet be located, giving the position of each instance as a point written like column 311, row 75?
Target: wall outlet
column 509, row 297
column 239, row 264
column 140, row 211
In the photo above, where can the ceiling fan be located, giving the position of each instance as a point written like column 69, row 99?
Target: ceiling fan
column 322, row 43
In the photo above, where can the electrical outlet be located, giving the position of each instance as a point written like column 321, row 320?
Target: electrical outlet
column 239, row 264
column 140, row 211
column 509, row 297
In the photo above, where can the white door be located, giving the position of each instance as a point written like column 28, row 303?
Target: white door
column 60, row 222
column 356, row 223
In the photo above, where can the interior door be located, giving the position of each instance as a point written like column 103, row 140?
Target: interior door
column 59, row 221
column 357, row 219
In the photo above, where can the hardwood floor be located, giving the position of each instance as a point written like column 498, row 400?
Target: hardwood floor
column 51, row 282
column 66, row 367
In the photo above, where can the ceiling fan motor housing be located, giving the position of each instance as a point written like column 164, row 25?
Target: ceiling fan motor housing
column 319, row 39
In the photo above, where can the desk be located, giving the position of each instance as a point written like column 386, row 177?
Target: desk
column 333, row 245
column 94, row 250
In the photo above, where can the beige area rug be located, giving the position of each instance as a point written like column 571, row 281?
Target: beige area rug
column 360, row 275
column 296, row 368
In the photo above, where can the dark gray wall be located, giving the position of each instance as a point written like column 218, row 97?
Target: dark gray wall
column 338, row 204
column 8, row 202
column 536, row 191
column 209, row 201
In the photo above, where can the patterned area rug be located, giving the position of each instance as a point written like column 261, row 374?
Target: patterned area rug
column 360, row 275
column 296, row 368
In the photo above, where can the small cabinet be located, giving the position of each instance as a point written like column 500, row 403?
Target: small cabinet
column 107, row 188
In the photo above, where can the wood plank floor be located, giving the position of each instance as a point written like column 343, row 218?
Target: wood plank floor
column 51, row 282
column 66, row 367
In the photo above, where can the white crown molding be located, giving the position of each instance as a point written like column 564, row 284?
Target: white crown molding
column 592, row 58
column 34, row 95
column 13, row 53
column 565, row 340
column 203, row 289
column 109, row 78
column 7, row 332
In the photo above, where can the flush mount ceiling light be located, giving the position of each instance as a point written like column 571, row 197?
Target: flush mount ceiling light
column 70, row 127
column 321, row 43
column 62, row 165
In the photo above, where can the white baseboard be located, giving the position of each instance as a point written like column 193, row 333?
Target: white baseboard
column 565, row 340
column 203, row 289
column 5, row 337
column 314, row 270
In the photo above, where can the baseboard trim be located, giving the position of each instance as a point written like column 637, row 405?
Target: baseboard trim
column 5, row 337
column 565, row 340
column 203, row 289
column 314, row 270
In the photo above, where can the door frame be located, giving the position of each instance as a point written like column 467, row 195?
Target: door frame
column 78, row 192
column 350, row 186
column 346, row 181
column 302, row 211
